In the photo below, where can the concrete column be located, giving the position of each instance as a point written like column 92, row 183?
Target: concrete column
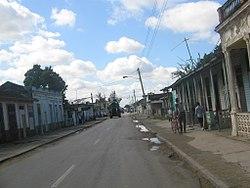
column 247, row 39
column 18, row 120
column 189, row 97
column 27, row 120
column 226, row 84
column 196, row 97
column 204, row 94
column 5, row 117
column 183, row 96
column 212, row 90
column 232, row 93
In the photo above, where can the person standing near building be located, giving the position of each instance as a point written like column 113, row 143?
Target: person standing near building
column 170, row 115
column 181, row 115
column 199, row 113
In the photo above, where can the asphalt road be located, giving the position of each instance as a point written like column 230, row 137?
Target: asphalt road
column 110, row 155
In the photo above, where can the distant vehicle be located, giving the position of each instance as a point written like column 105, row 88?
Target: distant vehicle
column 114, row 109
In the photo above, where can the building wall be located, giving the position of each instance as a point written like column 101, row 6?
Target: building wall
column 51, row 108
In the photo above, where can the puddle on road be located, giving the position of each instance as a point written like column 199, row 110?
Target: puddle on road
column 142, row 128
column 145, row 139
column 154, row 148
column 155, row 140
column 152, row 140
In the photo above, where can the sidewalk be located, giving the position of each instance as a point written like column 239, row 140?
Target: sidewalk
column 17, row 148
column 226, row 159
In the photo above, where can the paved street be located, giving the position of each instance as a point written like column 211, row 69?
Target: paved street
column 111, row 154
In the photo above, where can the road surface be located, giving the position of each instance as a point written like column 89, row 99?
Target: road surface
column 110, row 155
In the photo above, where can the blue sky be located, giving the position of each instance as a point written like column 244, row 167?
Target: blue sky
column 80, row 32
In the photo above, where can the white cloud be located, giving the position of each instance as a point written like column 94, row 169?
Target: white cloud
column 63, row 17
column 17, row 21
column 197, row 18
column 40, row 46
column 124, row 44
column 48, row 34
column 76, row 69
column 125, row 9
column 123, row 66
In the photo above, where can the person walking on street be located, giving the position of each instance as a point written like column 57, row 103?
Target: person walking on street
column 181, row 116
column 199, row 113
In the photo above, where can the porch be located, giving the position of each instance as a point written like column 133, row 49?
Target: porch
column 234, row 30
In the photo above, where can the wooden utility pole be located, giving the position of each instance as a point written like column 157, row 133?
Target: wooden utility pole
column 140, row 79
column 134, row 96
column 142, row 88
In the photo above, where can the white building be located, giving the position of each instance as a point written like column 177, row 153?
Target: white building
column 48, row 109
column 16, row 113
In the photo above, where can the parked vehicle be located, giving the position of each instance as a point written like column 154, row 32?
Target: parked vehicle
column 114, row 109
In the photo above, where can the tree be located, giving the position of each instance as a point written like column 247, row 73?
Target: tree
column 186, row 68
column 45, row 78
column 182, row 70
column 33, row 76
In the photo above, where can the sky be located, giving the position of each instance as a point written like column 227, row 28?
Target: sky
column 92, row 44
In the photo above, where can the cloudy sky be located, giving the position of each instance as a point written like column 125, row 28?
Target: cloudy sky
column 93, row 43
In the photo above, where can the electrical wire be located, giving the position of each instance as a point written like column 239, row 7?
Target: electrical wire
column 156, row 29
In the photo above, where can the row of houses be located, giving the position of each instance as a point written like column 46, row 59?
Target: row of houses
column 222, row 84
column 27, row 111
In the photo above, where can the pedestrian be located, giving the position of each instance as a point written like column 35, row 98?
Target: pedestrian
column 170, row 115
column 199, row 113
column 181, row 116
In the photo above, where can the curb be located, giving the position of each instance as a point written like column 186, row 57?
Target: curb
column 204, row 173
column 48, row 142
column 215, row 181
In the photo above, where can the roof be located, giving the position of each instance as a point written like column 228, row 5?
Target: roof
column 154, row 97
column 12, row 91
column 214, row 61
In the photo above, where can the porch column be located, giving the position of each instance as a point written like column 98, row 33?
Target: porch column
column 231, row 86
column 247, row 39
column 204, row 94
column 226, row 84
column 27, row 121
column 212, row 90
column 183, row 96
column 196, row 98
column 189, row 96
column 5, row 117
column 18, row 120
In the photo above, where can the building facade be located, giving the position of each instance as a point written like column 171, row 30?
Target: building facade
column 48, row 109
column 16, row 112
column 234, row 30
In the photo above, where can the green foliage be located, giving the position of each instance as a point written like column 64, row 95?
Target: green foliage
column 186, row 68
column 44, row 78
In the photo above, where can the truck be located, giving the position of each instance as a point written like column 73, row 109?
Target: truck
column 114, row 109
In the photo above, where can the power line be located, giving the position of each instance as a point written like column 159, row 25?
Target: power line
column 149, row 29
column 156, row 29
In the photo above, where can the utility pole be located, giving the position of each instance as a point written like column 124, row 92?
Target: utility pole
column 142, row 88
column 189, row 52
column 91, row 96
column 135, row 101
column 134, row 96
column 92, row 101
